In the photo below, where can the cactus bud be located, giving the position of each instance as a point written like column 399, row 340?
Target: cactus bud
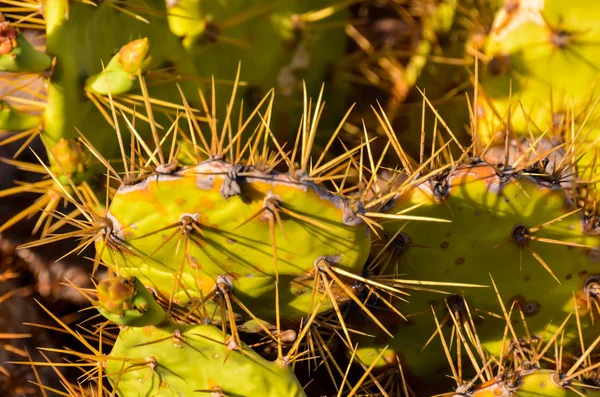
column 17, row 55
column 8, row 38
column 125, row 301
column 71, row 156
column 133, row 55
column 120, row 75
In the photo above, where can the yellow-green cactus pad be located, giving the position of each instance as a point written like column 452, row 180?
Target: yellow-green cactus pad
column 521, row 230
column 212, row 223
column 541, row 62
column 187, row 360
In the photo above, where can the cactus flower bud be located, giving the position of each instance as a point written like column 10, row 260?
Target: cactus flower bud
column 71, row 156
column 8, row 38
column 125, row 301
column 133, row 55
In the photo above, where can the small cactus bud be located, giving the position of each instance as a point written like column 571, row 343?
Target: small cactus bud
column 133, row 55
column 116, row 295
column 125, row 301
column 8, row 38
column 71, row 156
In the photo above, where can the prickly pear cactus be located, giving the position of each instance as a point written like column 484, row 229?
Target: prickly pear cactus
column 516, row 235
column 125, row 301
column 166, row 349
column 221, row 223
column 174, row 360
column 147, row 47
column 525, row 90
column 440, row 263
column 243, row 263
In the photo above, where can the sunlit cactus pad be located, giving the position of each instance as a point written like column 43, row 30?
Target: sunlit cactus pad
column 185, row 232
column 516, row 234
column 177, row 360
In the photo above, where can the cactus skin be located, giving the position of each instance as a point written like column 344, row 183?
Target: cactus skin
column 230, row 235
column 182, row 360
column 485, row 208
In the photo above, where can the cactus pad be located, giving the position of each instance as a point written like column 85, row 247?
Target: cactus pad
column 518, row 228
column 185, row 232
column 178, row 360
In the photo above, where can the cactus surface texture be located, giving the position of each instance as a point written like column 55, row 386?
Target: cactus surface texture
column 299, row 198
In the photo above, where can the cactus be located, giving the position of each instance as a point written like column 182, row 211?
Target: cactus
column 530, row 382
column 527, row 367
column 500, row 227
column 237, row 258
column 523, row 90
column 231, row 242
column 146, row 46
column 173, row 359
column 125, row 301
column 215, row 222
column 151, row 352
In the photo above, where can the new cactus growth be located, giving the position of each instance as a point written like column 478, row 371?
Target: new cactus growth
column 17, row 55
column 121, row 73
column 125, row 301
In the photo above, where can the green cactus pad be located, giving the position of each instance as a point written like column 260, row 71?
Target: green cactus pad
column 492, row 214
column 540, row 65
column 279, row 44
column 186, row 360
column 230, row 217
